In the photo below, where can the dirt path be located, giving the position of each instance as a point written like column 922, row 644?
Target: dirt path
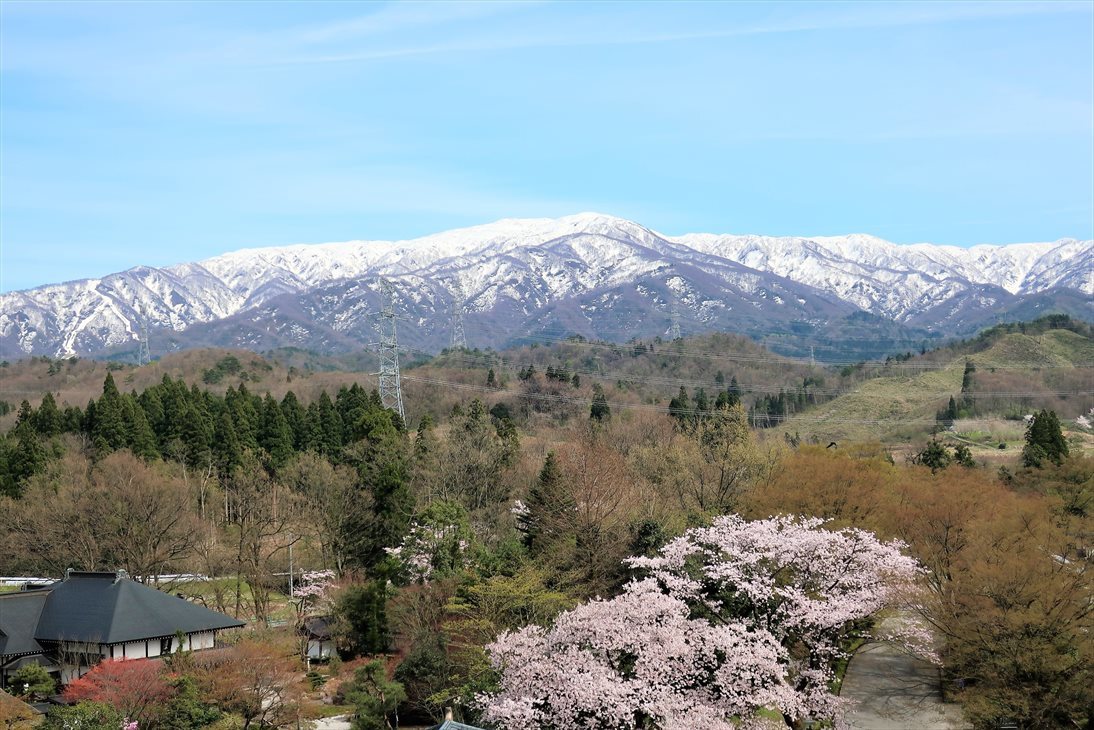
column 896, row 691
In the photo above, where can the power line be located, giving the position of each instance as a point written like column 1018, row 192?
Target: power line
column 559, row 398
column 485, row 360
column 772, row 358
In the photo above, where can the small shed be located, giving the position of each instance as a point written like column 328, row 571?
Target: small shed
column 320, row 637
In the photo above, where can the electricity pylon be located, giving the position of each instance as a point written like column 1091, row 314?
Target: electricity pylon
column 674, row 329
column 144, row 354
column 391, row 387
column 459, row 340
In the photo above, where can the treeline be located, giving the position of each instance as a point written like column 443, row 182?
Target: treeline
column 174, row 421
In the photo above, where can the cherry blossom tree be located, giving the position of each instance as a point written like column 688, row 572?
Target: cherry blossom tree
column 314, row 592
column 729, row 623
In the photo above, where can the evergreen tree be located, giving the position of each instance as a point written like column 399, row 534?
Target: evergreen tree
column 425, row 441
column 27, row 458
column 275, row 437
column 73, row 420
column 962, row 455
column 109, row 432
column 244, row 416
column 491, row 379
column 600, row 411
column 680, row 407
column 935, row 456
column 141, row 439
column 576, row 381
column 966, row 378
column 48, row 420
column 949, row 414
column 193, row 437
column 375, row 697
column 363, row 609
column 25, row 416
column 227, row 450
column 549, row 503
column 330, row 421
column 295, row 416
column 734, row 391
column 1044, row 440
column 153, row 411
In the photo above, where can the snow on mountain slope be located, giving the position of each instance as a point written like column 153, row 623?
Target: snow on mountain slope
column 900, row 281
column 515, row 270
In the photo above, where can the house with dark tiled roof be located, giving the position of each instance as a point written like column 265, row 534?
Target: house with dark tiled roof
column 72, row 625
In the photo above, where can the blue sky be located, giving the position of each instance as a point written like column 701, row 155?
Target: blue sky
column 155, row 132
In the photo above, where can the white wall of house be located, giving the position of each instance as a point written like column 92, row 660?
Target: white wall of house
column 203, row 640
column 135, row 650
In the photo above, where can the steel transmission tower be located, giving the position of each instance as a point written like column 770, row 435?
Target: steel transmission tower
column 144, row 355
column 459, row 340
column 674, row 330
column 391, row 387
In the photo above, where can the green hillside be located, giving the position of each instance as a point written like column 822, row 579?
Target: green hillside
column 1014, row 375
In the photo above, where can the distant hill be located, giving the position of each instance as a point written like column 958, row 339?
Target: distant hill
column 1018, row 368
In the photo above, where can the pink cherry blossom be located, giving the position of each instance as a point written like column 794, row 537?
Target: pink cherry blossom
column 729, row 620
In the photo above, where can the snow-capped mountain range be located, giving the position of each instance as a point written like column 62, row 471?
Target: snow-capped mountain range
column 588, row 274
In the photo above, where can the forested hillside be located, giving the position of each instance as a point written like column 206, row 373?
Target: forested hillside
column 462, row 553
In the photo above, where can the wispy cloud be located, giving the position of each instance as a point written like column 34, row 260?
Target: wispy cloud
column 598, row 29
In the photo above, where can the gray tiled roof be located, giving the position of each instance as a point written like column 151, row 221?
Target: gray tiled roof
column 104, row 608
column 19, row 614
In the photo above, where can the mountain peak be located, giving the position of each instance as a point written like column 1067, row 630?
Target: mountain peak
column 578, row 273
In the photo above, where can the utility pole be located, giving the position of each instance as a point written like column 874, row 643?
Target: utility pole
column 812, row 358
column 459, row 341
column 391, row 387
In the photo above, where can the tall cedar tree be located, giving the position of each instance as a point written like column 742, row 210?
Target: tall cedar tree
column 548, row 502
column 600, row 410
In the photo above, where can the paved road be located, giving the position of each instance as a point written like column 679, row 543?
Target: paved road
column 896, row 691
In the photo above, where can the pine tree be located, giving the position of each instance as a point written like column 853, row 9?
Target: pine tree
column 491, row 379
column 935, row 455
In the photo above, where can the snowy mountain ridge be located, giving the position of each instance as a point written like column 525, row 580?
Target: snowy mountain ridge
column 516, row 270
